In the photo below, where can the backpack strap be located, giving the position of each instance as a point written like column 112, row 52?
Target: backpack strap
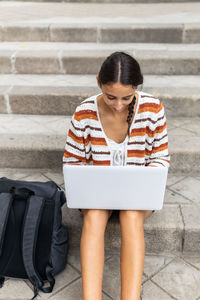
column 2, row 280
column 5, row 204
column 32, row 219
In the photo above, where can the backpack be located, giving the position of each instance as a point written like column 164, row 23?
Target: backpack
column 33, row 241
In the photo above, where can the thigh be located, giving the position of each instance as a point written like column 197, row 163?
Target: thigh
column 134, row 215
column 147, row 213
column 96, row 214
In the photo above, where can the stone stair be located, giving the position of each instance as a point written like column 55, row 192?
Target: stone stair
column 49, row 56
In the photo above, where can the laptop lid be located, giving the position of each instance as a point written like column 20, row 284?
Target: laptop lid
column 115, row 187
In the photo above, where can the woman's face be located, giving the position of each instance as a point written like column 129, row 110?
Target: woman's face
column 117, row 96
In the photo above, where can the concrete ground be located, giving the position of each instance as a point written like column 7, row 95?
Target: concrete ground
column 165, row 276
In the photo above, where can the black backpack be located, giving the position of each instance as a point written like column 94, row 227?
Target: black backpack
column 33, row 241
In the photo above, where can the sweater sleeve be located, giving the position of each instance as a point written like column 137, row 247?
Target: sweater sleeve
column 74, row 151
column 159, row 154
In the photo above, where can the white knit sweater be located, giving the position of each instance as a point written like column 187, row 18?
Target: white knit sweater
column 147, row 143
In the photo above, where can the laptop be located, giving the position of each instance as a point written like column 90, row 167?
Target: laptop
column 115, row 187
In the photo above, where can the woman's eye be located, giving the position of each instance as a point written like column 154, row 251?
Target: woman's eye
column 114, row 98
column 126, row 99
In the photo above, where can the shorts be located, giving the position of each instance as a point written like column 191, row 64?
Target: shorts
column 116, row 211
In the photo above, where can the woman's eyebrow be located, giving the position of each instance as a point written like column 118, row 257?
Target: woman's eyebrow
column 115, row 97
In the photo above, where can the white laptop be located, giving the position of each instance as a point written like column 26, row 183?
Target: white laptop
column 115, row 187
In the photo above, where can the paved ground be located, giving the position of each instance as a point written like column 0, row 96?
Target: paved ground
column 165, row 276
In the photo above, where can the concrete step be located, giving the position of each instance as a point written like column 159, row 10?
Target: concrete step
column 86, row 58
column 118, row 32
column 109, row 22
column 60, row 94
column 174, row 229
column 32, row 141
column 105, row 1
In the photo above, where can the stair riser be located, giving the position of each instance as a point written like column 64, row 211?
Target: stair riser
column 167, row 235
column 157, row 241
column 39, row 64
column 149, row 33
column 62, row 102
column 181, row 162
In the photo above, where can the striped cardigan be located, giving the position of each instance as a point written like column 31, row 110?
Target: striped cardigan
column 147, row 144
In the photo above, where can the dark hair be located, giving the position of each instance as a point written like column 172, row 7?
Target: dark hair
column 121, row 67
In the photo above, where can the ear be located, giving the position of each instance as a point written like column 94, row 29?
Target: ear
column 97, row 77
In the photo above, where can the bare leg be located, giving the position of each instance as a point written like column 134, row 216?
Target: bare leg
column 132, row 252
column 92, row 252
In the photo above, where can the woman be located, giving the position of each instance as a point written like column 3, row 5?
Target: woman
column 120, row 126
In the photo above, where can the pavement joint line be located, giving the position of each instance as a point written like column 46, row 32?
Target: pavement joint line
column 163, row 290
column 47, row 177
column 183, row 231
column 179, row 180
column 189, row 263
column 159, row 269
column 175, row 192
column 107, row 294
column 108, row 258
column 52, row 179
column 7, row 99
column 65, row 286
column 72, row 266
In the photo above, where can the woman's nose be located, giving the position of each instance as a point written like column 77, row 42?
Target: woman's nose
column 118, row 106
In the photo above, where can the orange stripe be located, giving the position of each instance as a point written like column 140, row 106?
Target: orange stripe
column 147, row 130
column 166, row 160
column 138, row 153
column 68, row 154
column 159, row 129
column 78, row 139
column 152, row 107
column 95, row 141
column 142, row 132
column 85, row 114
column 138, row 132
column 101, row 162
column 160, row 148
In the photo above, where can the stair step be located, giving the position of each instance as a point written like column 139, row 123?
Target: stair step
column 86, row 58
column 109, row 22
column 170, row 230
column 60, row 94
column 104, row 1
column 29, row 141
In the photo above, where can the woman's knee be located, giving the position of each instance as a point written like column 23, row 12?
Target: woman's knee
column 132, row 217
column 96, row 219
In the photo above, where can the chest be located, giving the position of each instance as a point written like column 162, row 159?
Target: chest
column 115, row 129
